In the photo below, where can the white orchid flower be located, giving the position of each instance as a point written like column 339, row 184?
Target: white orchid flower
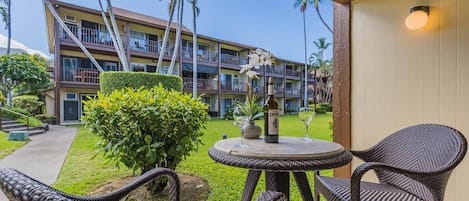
column 259, row 51
column 252, row 74
column 253, row 60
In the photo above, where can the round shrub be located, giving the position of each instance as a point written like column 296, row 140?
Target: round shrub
column 146, row 128
column 110, row 81
column 320, row 109
column 28, row 103
column 326, row 106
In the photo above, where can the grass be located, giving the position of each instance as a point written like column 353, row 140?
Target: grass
column 81, row 175
column 7, row 147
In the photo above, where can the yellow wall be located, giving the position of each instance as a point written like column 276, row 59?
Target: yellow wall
column 402, row 77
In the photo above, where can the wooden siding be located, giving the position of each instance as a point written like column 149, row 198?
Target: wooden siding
column 402, row 77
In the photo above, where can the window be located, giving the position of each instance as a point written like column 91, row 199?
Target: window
column 110, row 66
column 70, row 68
column 137, row 40
column 138, row 67
column 289, row 86
column 71, row 96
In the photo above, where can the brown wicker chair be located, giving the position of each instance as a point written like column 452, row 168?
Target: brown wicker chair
column 20, row 187
column 414, row 163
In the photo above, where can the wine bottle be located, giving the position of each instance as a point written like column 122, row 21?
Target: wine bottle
column 271, row 120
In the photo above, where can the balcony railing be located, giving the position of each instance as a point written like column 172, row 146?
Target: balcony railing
column 87, row 35
column 150, row 46
column 202, row 84
column 81, row 75
column 291, row 72
column 274, row 71
column 233, row 87
column 292, row 92
column 207, row 56
column 278, row 90
column 230, row 59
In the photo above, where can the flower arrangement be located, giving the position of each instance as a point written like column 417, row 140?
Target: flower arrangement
column 257, row 59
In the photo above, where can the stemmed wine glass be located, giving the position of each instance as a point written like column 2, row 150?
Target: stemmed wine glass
column 239, row 120
column 306, row 115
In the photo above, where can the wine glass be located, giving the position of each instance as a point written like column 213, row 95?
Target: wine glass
column 240, row 120
column 306, row 115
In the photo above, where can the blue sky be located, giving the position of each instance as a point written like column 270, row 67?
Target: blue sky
column 271, row 24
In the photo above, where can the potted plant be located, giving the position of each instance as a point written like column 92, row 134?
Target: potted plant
column 257, row 59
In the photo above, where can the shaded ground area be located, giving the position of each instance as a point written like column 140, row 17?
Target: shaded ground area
column 192, row 189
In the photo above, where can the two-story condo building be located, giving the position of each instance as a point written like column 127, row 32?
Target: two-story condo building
column 218, row 77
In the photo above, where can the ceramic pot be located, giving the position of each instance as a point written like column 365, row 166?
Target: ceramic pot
column 251, row 130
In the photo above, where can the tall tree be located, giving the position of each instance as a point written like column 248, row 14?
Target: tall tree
column 195, row 47
column 303, row 4
column 178, row 36
column 316, row 6
column 5, row 12
column 172, row 5
column 18, row 69
column 319, row 64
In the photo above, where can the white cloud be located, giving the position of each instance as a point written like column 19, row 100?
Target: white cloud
column 19, row 47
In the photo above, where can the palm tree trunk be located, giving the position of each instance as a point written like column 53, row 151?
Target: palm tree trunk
column 117, row 34
column 195, row 47
column 178, row 36
column 172, row 6
column 72, row 35
column 122, row 58
column 322, row 20
column 305, row 101
column 9, row 27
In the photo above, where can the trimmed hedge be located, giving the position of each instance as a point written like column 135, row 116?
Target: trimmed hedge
column 30, row 103
column 111, row 81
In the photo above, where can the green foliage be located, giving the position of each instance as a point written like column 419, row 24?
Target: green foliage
column 12, row 115
column 320, row 109
column 228, row 113
column 32, row 121
column 29, row 103
column 326, row 106
column 2, row 98
column 146, row 128
column 46, row 118
column 7, row 147
column 111, row 81
column 23, row 69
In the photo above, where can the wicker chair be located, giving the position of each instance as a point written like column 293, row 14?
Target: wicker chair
column 414, row 163
column 19, row 187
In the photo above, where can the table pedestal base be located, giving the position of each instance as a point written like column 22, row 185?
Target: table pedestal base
column 277, row 181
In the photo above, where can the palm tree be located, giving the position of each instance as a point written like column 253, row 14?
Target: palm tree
column 303, row 4
column 5, row 12
column 178, row 36
column 316, row 6
column 195, row 46
column 172, row 5
column 317, row 61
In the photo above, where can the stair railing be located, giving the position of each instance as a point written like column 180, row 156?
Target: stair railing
column 17, row 113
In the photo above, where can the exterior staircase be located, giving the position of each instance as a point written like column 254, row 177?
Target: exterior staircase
column 12, row 125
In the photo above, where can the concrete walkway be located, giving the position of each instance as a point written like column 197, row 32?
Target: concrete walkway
column 43, row 157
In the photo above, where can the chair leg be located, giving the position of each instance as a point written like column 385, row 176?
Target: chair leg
column 303, row 185
column 316, row 192
column 251, row 183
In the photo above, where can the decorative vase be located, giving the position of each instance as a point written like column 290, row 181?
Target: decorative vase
column 251, row 130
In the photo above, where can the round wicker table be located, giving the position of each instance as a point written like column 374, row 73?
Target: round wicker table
column 277, row 160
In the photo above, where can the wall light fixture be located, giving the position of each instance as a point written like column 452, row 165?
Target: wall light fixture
column 417, row 18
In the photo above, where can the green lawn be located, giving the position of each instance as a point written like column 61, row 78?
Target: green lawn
column 7, row 147
column 81, row 175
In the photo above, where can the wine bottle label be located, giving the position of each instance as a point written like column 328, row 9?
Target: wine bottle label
column 273, row 122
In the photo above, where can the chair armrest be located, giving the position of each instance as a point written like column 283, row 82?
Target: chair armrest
column 365, row 167
column 18, row 186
